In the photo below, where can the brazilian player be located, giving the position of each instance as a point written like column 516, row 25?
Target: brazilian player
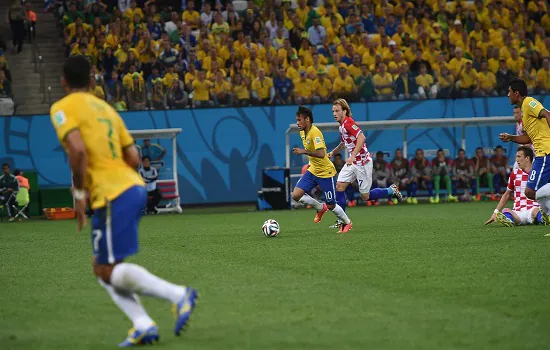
column 536, row 124
column 103, row 160
column 320, row 173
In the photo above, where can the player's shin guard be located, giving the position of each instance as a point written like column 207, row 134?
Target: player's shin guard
column 136, row 279
column 437, row 183
column 539, row 219
column 341, row 199
column 430, row 187
column 378, row 193
column 341, row 214
column 308, row 200
column 413, row 188
column 509, row 216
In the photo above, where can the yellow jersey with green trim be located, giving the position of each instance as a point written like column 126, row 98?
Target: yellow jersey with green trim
column 104, row 135
column 536, row 126
column 312, row 141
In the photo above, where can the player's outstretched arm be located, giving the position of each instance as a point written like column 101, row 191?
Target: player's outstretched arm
column 500, row 205
column 521, row 139
column 336, row 150
column 78, row 158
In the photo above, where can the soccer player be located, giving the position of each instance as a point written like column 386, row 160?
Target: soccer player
column 400, row 171
column 103, row 160
column 441, row 170
column 526, row 211
column 359, row 162
column 320, row 173
column 536, row 121
column 499, row 165
column 420, row 174
column 463, row 174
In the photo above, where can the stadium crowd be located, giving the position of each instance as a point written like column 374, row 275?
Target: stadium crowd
column 457, row 176
column 169, row 54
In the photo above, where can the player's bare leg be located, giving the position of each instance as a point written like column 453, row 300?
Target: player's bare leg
column 299, row 195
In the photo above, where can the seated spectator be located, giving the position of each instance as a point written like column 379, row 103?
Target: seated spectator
column 150, row 175
column 365, row 85
column 500, row 165
column 445, row 84
column 528, row 74
column 487, row 81
column 262, row 89
column 284, row 88
column 425, row 82
column 418, row 62
column 95, row 89
column 137, row 98
column 482, row 171
column 383, row 83
column 241, row 91
column 543, row 77
column 504, row 76
column 343, row 84
column 8, row 188
column 469, row 80
column 303, row 91
column 201, row 91
column 24, row 185
column 157, row 95
column 177, row 96
column 322, row 87
column 405, row 85
column 221, row 91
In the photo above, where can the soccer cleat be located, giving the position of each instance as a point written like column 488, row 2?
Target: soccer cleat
column 396, row 193
column 545, row 218
column 392, row 201
column 409, row 200
column 503, row 220
column 336, row 224
column 368, row 203
column 184, row 309
column 136, row 337
column 451, row 198
column 414, row 200
column 344, row 228
column 320, row 213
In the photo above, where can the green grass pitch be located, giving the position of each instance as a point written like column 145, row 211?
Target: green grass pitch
column 405, row 277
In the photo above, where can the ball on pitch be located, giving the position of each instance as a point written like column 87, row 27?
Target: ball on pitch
column 271, row 228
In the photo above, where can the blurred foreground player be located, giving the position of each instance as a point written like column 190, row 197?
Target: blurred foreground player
column 103, row 160
column 320, row 173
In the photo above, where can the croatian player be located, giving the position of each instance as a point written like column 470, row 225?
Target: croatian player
column 103, row 161
column 526, row 211
column 536, row 121
column 321, row 171
column 359, row 163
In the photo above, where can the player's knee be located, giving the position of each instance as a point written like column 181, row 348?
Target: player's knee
column 103, row 271
column 340, row 187
column 530, row 193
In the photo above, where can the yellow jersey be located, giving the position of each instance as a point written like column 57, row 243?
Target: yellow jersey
column 105, row 136
column 536, row 126
column 314, row 140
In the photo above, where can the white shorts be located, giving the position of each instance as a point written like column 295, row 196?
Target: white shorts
column 525, row 216
column 361, row 173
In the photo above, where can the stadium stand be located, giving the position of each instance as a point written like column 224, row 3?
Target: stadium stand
column 367, row 50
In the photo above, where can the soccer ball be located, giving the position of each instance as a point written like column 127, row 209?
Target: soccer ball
column 271, row 228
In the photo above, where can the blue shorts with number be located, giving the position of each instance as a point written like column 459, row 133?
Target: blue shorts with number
column 540, row 173
column 308, row 181
column 115, row 226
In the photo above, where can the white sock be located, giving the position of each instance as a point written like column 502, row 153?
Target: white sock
column 544, row 204
column 134, row 278
column 341, row 214
column 542, row 192
column 130, row 304
column 306, row 199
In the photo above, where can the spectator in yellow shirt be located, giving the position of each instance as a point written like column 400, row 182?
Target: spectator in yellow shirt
column 487, row 81
column 543, row 77
column 132, row 11
column 425, row 82
column 383, row 83
column 458, row 37
column 445, row 83
column 191, row 17
column 293, row 72
column 343, row 85
column 457, row 64
column 221, row 91
column 241, row 91
column 213, row 56
column 529, row 74
column 262, row 89
column 201, row 91
column 514, row 62
column 303, row 89
column 322, row 88
column 469, row 80
column 96, row 89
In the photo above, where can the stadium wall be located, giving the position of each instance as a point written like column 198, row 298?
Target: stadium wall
column 221, row 152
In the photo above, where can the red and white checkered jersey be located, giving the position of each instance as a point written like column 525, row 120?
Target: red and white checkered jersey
column 348, row 132
column 517, row 183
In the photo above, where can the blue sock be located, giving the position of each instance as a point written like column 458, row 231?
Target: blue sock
column 509, row 216
column 341, row 199
column 377, row 193
column 430, row 187
column 414, row 188
column 539, row 217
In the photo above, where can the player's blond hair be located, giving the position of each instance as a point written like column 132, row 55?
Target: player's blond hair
column 344, row 104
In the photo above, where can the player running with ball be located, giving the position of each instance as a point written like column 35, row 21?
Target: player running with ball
column 525, row 211
column 536, row 121
column 359, row 163
column 321, row 171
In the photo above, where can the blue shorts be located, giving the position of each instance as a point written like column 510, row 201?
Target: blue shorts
column 308, row 181
column 115, row 226
column 540, row 173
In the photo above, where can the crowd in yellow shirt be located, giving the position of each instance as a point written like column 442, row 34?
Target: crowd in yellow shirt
column 285, row 53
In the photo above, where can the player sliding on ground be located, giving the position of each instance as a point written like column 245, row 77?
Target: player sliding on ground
column 321, row 171
column 103, row 160
column 359, row 163
column 536, row 121
column 526, row 211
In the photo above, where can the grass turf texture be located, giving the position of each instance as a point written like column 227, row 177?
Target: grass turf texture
column 406, row 277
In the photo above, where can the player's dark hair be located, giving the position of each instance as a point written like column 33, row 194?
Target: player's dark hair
column 5, row 165
column 145, row 157
column 527, row 152
column 17, row 172
column 461, row 150
column 519, row 85
column 305, row 112
column 479, row 148
column 498, row 147
column 76, row 72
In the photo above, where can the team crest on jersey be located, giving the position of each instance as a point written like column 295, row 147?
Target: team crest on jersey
column 354, row 127
column 317, row 139
column 308, row 141
column 532, row 104
column 59, row 118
